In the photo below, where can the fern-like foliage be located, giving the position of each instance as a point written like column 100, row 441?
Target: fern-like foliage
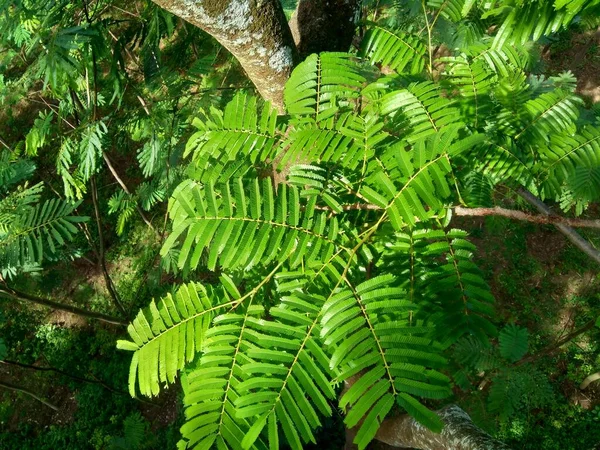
column 399, row 51
column 134, row 430
column 551, row 112
column 393, row 353
column 514, row 390
column 472, row 353
column 473, row 81
column 321, row 84
column 573, row 160
column 13, row 170
column 328, row 229
column 269, row 357
column 123, row 205
column 460, row 290
column 422, row 107
column 442, row 279
column 238, row 134
column 414, row 181
column 240, row 228
column 169, row 334
column 525, row 20
column 289, row 380
column 33, row 230
column 513, row 342
column 258, row 376
column 212, row 388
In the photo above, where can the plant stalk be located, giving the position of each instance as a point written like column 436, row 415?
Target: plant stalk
column 102, row 260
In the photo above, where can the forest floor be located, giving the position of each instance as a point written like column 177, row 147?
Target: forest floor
column 579, row 53
column 543, row 283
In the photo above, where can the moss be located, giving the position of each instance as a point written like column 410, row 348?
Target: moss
column 215, row 8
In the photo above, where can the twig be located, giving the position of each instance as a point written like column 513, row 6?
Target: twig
column 57, row 113
column 555, row 346
column 52, row 369
column 12, row 387
column 126, row 12
column 95, row 379
column 429, row 28
column 124, row 186
column 353, row 207
column 102, row 260
column 3, row 142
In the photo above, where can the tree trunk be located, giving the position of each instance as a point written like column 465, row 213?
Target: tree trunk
column 459, row 433
column 324, row 25
column 254, row 31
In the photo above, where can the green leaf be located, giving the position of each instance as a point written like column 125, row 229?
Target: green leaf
column 513, row 342
column 169, row 335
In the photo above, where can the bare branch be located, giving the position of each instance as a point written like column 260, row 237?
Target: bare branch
column 527, row 217
column 116, row 176
column 7, row 291
column 12, row 387
column 577, row 240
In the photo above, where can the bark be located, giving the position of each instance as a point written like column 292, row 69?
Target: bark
column 402, row 431
column 589, row 380
column 324, row 25
column 459, row 433
column 568, row 231
column 254, row 31
column 17, row 295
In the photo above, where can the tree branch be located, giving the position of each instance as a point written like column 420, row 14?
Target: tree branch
column 521, row 215
column 17, row 295
column 577, row 240
column 256, row 33
column 324, row 25
column 12, row 387
column 588, row 380
column 102, row 260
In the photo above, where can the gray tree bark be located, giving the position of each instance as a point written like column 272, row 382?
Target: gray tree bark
column 254, row 31
column 459, row 433
column 403, row 431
